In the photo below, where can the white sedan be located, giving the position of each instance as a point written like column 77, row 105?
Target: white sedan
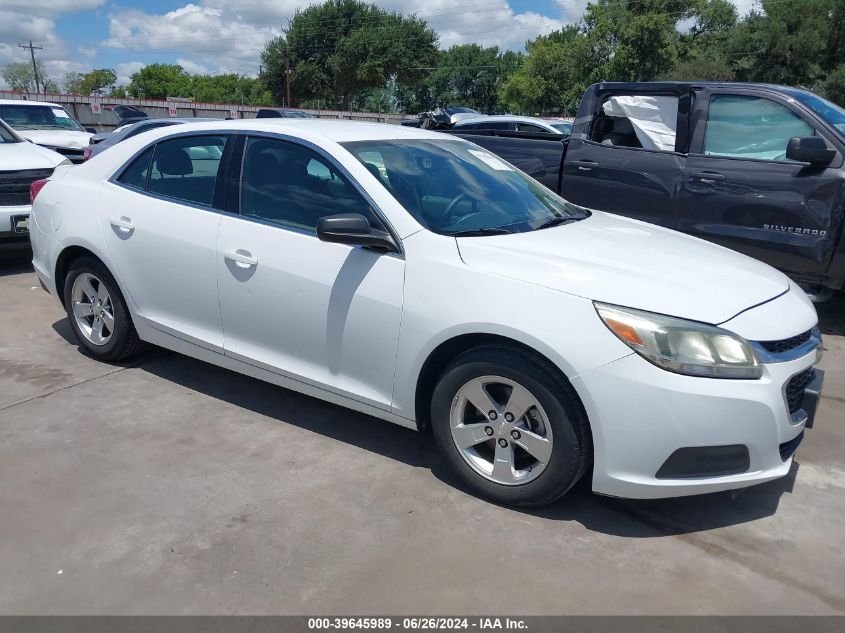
column 416, row 277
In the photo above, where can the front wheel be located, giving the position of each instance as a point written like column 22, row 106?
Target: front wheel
column 510, row 426
column 97, row 312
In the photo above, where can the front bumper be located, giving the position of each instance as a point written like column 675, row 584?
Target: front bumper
column 641, row 415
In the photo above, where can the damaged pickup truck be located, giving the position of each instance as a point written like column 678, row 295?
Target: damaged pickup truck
column 756, row 168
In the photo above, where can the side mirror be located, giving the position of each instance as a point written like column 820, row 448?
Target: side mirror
column 354, row 229
column 91, row 130
column 809, row 149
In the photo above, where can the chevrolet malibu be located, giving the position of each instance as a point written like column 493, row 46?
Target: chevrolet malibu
column 417, row 278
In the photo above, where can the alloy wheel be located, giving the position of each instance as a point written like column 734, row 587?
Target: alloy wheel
column 92, row 309
column 501, row 430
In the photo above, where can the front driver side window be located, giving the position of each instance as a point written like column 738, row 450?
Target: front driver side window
column 743, row 126
column 290, row 185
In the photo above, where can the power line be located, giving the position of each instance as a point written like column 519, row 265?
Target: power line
column 32, row 50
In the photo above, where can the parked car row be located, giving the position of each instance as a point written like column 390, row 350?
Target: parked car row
column 419, row 278
column 55, row 137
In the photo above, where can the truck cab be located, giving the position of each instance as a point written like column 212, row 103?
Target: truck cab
column 756, row 168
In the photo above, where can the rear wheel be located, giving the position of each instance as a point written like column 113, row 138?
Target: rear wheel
column 510, row 426
column 97, row 312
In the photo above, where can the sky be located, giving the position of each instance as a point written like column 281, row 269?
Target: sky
column 217, row 36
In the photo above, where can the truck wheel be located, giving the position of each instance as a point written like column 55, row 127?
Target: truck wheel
column 510, row 426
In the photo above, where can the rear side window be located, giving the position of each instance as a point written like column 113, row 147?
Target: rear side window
column 743, row 126
column 528, row 127
column 637, row 121
column 136, row 174
column 186, row 168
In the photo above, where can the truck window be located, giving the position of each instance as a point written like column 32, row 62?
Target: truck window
column 744, row 126
column 641, row 121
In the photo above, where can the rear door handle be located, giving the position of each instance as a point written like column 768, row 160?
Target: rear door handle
column 122, row 223
column 585, row 165
column 709, row 177
column 241, row 257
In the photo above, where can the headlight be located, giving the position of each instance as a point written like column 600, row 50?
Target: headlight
column 684, row 347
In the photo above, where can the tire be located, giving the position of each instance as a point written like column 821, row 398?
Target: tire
column 556, row 415
column 120, row 342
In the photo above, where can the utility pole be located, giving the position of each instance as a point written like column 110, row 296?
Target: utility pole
column 32, row 50
column 287, row 80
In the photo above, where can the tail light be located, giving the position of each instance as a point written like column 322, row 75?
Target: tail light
column 35, row 188
column 87, row 153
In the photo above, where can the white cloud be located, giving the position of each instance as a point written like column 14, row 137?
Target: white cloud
column 192, row 67
column 207, row 33
column 51, row 7
column 25, row 20
column 126, row 70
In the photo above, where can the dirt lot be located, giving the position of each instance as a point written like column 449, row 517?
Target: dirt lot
column 171, row 486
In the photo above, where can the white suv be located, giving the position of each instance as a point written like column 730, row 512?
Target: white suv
column 21, row 164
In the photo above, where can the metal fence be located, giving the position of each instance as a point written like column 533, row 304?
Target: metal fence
column 81, row 108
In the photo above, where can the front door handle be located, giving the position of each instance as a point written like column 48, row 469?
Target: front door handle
column 242, row 258
column 585, row 165
column 709, row 177
column 123, row 223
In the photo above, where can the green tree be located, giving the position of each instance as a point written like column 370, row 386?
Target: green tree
column 471, row 75
column 834, row 86
column 553, row 76
column 785, row 43
column 702, row 51
column 159, row 81
column 636, row 41
column 97, row 82
column 19, row 76
column 342, row 48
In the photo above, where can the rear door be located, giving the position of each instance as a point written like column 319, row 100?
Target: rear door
column 611, row 165
column 159, row 219
column 739, row 189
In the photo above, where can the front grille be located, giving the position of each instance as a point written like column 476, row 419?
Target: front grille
column 14, row 185
column 787, row 449
column 75, row 155
column 795, row 388
column 784, row 345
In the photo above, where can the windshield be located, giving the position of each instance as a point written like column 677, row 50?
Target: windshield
column 828, row 111
column 38, row 117
column 454, row 187
column 564, row 127
column 6, row 135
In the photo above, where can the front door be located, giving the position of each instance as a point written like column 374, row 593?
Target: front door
column 160, row 226
column 322, row 313
column 741, row 191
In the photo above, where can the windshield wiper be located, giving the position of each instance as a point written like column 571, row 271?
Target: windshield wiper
column 558, row 220
column 489, row 230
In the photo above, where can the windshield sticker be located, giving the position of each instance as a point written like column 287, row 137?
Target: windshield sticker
column 60, row 114
column 490, row 160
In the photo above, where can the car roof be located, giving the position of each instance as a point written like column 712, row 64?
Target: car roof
column 516, row 118
column 639, row 86
column 26, row 102
column 337, row 131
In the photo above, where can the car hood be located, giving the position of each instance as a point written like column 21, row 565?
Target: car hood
column 629, row 263
column 14, row 156
column 57, row 138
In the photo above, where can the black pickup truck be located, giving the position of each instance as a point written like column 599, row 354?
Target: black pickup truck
column 756, row 168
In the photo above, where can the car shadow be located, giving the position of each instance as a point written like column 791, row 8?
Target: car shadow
column 637, row 519
column 15, row 264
